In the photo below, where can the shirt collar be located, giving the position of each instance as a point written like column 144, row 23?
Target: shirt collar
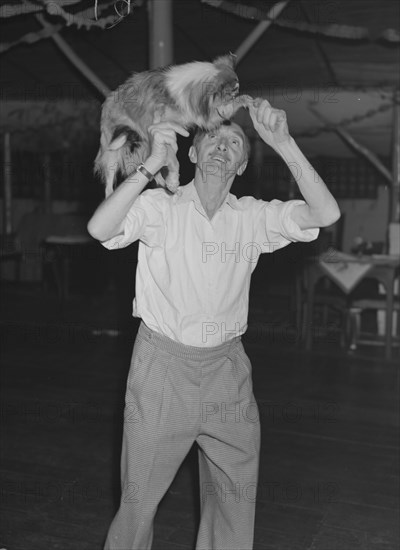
column 189, row 193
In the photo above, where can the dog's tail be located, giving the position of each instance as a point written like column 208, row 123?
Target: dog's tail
column 118, row 156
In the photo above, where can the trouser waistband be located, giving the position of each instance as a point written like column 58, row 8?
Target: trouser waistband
column 182, row 350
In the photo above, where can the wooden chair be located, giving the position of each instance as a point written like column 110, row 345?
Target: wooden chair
column 10, row 251
column 328, row 302
column 327, row 298
column 376, row 303
column 387, row 302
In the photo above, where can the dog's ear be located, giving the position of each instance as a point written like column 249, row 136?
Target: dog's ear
column 227, row 60
column 159, row 113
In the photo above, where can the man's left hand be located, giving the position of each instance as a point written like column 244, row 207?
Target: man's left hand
column 269, row 123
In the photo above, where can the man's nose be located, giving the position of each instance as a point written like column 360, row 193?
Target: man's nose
column 222, row 145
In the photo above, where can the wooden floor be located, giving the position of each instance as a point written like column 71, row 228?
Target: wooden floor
column 329, row 460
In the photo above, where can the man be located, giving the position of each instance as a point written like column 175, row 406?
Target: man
column 190, row 378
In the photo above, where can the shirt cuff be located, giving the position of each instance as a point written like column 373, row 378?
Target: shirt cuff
column 125, row 238
column 290, row 229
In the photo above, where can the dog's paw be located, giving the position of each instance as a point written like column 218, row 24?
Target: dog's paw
column 172, row 187
column 172, row 181
column 245, row 100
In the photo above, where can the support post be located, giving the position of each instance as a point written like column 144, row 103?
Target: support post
column 161, row 33
column 47, row 183
column 395, row 195
column 7, row 197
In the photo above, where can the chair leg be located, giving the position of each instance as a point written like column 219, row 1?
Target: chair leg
column 354, row 327
column 298, row 322
column 344, row 331
column 302, row 326
column 325, row 313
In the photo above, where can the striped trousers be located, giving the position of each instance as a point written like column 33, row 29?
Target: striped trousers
column 176, row 395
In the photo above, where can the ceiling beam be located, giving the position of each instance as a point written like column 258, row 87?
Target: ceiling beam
column 354, row 144
column 111, row 58
column 259, row 30
column 75, row 59
column 189, row 38
column 320, row 49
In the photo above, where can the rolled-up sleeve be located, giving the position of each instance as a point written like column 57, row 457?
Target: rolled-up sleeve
column 280, row 228
column 289, row 228
column 144, row 222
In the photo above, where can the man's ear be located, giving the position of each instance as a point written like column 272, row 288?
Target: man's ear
column 242, row 168
column 193, row 154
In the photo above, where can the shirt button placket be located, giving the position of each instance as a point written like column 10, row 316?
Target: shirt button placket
column 210, row 269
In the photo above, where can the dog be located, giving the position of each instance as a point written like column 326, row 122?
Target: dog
column 193, row 94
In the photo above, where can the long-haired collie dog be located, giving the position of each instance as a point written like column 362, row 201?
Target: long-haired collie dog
column 193, row 94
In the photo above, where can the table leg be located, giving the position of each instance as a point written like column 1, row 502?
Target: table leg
column 309, row 315
column 389, row 320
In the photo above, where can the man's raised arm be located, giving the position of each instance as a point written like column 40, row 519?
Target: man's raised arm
column 108, row 219
column 321, row 208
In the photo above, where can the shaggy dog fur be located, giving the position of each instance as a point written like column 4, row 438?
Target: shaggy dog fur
column 193, row 94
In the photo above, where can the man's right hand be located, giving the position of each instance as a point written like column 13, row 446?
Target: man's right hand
column 109, row 218
column 163, row 136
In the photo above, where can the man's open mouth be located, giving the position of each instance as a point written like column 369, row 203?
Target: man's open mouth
column 219, row 159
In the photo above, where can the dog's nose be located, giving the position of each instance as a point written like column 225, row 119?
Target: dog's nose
column 235, row 90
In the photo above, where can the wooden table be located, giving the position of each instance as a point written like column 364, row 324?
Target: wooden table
column 58, row 250
column 382, row 268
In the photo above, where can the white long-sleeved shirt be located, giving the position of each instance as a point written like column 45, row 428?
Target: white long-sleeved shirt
column 193, row 274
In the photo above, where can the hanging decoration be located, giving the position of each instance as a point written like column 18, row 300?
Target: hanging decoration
column 13, row 10
column 31, row 37
column 80, row 19
column 344, row 32
column 345, row 122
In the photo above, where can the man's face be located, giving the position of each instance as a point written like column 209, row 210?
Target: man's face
column 221, row 152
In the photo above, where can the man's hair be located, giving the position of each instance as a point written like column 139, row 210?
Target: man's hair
column 200, row 133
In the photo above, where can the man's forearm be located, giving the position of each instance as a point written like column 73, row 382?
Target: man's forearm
column 321, row 208
column 108, row 219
